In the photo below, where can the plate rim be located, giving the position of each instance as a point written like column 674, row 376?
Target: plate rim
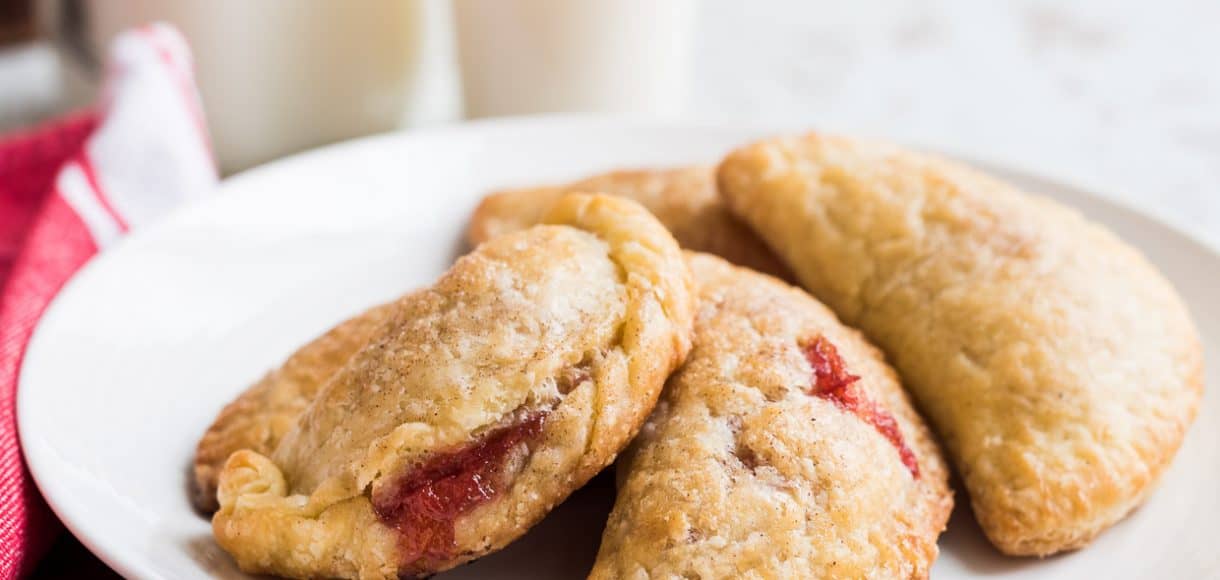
column 38, row 462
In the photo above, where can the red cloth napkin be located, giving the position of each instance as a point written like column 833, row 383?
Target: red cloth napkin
column 68, row 190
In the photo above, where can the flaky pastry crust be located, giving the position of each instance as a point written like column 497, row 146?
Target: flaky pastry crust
column 548, row 346
column 684, row 199
column 261, row 415
column 1059, row 368
column 743, row 471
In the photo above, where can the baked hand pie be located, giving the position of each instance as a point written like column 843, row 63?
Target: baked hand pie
column 783, row 448
column 260, row 417
column 1059, row 368
column 489, row 398
column 684, row 199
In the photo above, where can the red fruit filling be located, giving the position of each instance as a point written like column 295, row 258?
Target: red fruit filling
column 831, row 381
column 423, row 503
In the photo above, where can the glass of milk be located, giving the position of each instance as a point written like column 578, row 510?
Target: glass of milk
column 535, row 56
column 275, row 76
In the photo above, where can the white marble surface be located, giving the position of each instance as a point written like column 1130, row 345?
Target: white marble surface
column 1123, row 95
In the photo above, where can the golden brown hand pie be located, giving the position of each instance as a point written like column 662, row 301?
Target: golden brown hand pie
column 1058, row 367
column 490, row 397
column 684, row 199
column 783, row 448
column 260, row 416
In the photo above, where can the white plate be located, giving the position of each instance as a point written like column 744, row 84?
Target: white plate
column 143, row 347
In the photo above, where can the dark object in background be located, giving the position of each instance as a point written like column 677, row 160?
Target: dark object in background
column 16, row 21
column 69, row 559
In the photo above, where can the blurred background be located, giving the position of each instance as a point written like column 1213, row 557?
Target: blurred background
column 1121, row 94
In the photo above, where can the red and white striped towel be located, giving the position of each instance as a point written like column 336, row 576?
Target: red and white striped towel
column 69, row 190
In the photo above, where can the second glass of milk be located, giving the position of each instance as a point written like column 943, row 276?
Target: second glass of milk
column 537, row 56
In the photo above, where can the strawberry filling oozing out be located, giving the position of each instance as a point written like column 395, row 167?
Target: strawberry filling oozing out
column 423, row 503
column 832, row 382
